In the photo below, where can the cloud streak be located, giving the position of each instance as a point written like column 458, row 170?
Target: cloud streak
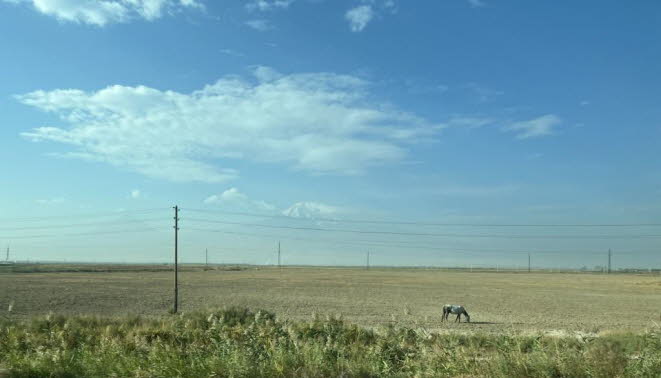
column 534, row 128
column 259, row 24
column 268, row 5
column 101, row 13
column 234, row 198
column 320, row 123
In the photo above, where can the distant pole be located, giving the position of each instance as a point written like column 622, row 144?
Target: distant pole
column 176, row 244
column 368, row 260
column 528, row 262
column 7, row 253
column 206, row 257
column 609, row 261
column 278, row 254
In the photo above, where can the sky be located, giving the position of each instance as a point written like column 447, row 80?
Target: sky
column 434, row 133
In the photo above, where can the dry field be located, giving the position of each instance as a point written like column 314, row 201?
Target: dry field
column 497, row 302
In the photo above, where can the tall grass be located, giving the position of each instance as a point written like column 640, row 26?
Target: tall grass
column 240, row 343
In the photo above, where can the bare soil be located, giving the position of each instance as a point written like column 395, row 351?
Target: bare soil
column 497, row 302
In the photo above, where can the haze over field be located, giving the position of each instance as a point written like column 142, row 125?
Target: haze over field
column 472, row 132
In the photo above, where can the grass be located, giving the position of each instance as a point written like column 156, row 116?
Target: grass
column 237, row 342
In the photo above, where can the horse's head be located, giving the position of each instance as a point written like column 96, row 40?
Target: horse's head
column 468, row 317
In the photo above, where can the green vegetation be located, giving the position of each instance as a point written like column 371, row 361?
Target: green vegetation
column 238, row 342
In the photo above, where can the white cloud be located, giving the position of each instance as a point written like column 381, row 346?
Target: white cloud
column 268, row 5
column 321, row 123
column 135, row 193
column 359, row 17
column 259, row 25
column 103, row 12
column 533, row 128
column 234, row 198
column 311, row 210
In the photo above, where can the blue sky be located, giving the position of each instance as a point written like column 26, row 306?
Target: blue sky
column 315, row 112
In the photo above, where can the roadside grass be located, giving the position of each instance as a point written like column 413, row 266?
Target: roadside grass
column 237, row 342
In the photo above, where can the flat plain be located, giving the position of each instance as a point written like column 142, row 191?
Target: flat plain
column 498, row 302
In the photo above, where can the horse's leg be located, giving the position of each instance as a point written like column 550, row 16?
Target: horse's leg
column 458, row 319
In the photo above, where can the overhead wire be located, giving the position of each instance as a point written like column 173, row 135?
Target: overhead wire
column 85, row 215
column 80, row 234
column 401, row 245
column 419, row 223
column 108, row 223
column 425, row 233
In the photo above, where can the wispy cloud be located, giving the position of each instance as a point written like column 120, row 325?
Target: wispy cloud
column 232, row 197
column 231, row 52
column 101, row 13
column 135, row 193
column 312, row 210
column 268, row 5
column 321, row 123
column 260, row 24
column 534, row 128
column 359, row 17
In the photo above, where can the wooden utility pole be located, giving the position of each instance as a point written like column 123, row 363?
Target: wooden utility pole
column 278, row 254
column 206, row 257
column 176, row 258
column 368, row 260
column 609, row 261
column 7, row 253
column 528, row 262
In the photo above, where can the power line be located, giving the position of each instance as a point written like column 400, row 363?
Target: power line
column 429, row 234
column 80, row 234
column 417, row 223
column 87, row 215
column 404, row 245
column 108, row 223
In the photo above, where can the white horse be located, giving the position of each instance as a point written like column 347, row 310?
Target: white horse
column 457, row 310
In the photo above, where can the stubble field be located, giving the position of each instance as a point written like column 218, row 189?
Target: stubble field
column 497, row 302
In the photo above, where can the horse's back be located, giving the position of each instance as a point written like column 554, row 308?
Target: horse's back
column 455, row 309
